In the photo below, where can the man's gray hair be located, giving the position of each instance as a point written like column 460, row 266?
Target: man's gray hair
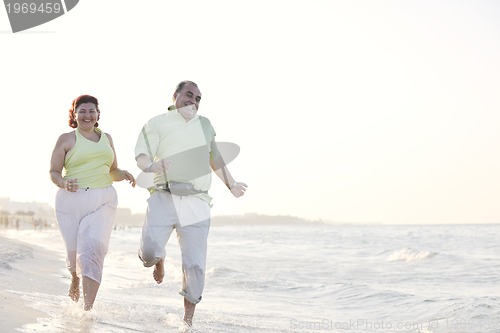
column 182, row 84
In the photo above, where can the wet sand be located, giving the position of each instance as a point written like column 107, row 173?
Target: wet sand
column 35, row 270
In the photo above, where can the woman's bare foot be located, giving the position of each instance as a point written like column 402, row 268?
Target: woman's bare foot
column 159, row 271
column 90, row 288
column 74, row 288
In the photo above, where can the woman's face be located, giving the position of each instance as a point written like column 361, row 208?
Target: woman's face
column 86, row 115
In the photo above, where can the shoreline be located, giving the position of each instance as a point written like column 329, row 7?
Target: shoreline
column 36, row 271
column 16, row 313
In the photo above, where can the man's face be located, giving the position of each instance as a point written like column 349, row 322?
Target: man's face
column 188, row 96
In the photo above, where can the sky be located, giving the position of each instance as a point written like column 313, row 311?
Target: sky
column 346, row 111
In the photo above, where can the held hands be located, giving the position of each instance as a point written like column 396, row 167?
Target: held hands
column 238, row 189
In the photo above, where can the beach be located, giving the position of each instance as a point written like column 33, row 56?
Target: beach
column 25, row 269
column 269, row 278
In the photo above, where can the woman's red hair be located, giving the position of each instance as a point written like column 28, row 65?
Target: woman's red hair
column 74, row 105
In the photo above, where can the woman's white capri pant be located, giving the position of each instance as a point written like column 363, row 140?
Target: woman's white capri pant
column 86, row 219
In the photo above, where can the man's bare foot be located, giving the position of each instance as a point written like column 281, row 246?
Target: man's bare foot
column 159, row 271
column 185, row 328
column 188, row 312
column 188, row 321
column 74, row 289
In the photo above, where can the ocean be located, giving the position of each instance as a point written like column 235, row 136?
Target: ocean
column 288, row 278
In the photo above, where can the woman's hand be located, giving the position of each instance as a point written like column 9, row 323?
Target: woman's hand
column 71, row 185
column 128, row 177
column 118, row 175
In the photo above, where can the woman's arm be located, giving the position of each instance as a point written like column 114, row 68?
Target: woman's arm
column 57, row 160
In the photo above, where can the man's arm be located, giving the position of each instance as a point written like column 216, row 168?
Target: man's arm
column 145, row 164
column 221, row 170
column 145, row 148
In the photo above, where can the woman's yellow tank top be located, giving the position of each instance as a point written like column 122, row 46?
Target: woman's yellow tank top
column 90, row 161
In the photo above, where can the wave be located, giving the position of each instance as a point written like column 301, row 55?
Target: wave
column 408, row 254
column 10, row 253
column 224, row 272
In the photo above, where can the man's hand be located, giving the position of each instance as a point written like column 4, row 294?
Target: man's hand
column 159, row 166
column 238, row 189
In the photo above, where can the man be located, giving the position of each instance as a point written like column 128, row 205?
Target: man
column 179, row 148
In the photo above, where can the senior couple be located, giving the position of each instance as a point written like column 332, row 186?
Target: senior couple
column 178, row 147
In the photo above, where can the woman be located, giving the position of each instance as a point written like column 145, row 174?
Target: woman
column 86, row 203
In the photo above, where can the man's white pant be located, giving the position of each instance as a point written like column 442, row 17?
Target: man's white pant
column 86, row 219
column 165, row 213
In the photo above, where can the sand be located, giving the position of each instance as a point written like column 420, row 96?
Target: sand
column 39, row 271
